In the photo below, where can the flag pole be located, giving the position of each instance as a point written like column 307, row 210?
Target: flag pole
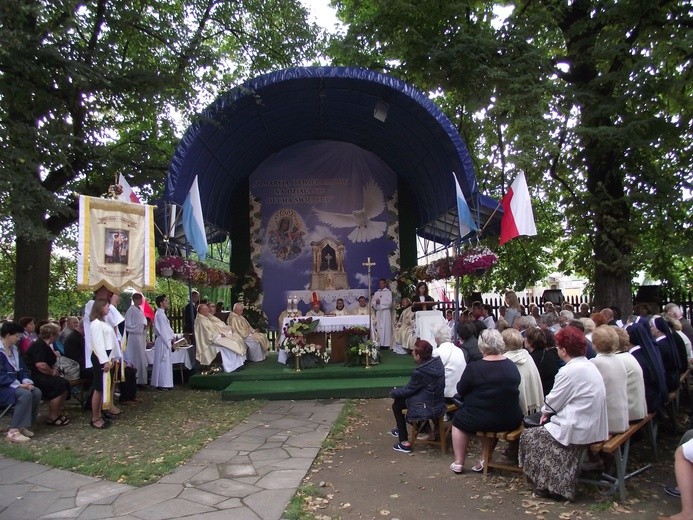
column 489, row 219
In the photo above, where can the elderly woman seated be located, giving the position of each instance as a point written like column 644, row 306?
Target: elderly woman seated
column 452, row 357
column 614, row 375
column 16, row 387
column 422, row 396
column 635, row 382
column 490, row 392
column 531, row 393
column 41, row 360
column 545, row 357
column 573, row 415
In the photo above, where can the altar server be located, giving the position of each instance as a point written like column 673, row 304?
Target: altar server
column 382, row 304
column 257, row 342
column 162, row 368
column 136, row 325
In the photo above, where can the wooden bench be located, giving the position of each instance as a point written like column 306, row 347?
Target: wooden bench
column 619, row 446
column 444, row 429
column 489, row 440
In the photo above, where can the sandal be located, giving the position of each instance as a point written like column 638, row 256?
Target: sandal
column 104, row 424
column 457, row 469
column 61, row 420
column 478, row 467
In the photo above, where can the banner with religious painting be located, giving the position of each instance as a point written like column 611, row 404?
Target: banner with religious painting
column 116, row 245
column 319, row 210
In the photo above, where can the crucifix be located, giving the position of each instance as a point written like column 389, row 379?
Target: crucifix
column 328, row 257
column 369, row 264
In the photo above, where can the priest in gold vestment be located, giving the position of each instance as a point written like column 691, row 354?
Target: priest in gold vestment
column 257, row 342
column 213, row 336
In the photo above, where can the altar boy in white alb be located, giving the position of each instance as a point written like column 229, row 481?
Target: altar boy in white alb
column 382, row 304
column 162, row 367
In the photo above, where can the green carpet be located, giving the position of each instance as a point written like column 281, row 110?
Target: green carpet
column 272, row 380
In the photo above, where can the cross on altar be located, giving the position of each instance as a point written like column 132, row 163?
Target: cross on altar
column 369, row 264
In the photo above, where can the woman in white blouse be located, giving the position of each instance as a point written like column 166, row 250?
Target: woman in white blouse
column 103, row 341
column 615, row 377
column 573, row 415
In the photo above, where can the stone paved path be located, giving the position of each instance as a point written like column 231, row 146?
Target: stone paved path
column 248, row 473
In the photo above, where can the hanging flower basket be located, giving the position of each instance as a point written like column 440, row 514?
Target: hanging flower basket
column 475, row 261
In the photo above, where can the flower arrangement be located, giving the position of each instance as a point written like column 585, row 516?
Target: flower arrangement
column 300, row 353
column 476, row 260
column 362, row 351
column 249, row 286
column 256, row 317
column 188, row 270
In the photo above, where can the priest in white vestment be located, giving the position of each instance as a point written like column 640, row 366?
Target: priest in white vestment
column 362, row 308
column 162, row 368
column 257, row 342
column 382, row 304
column 403, row 335
column 135, row 353
column 339, row 309
column 213, row 336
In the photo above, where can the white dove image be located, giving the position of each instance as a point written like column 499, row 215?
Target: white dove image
column 365, row 229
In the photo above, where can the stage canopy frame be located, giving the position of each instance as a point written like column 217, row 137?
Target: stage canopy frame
column 374, row 111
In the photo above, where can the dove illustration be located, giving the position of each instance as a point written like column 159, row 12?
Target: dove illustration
column 365, row 229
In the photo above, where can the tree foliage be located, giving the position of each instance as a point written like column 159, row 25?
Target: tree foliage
column 591, row 99
column 92, row 89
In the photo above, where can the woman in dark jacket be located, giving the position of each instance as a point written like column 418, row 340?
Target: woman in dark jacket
column 490, row 392
column 545, row 357
column 41, row 360
column 423, row 396
column 16, row 387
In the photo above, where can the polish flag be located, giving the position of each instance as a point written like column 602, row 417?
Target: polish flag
column 518, row 218
column 128, row 195
column 147, row 309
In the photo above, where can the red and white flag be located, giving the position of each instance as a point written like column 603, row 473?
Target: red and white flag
column 518, row 218
column 128, row 195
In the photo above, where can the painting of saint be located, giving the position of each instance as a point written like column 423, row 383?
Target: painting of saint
column 116, row 250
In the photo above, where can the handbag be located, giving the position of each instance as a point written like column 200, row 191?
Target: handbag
column 534, row 419
column 69, row 368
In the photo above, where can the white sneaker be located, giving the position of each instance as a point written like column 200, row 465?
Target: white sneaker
column 16, row 436
column 26, row 433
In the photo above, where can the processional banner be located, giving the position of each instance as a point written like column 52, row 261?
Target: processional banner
column 116, row 245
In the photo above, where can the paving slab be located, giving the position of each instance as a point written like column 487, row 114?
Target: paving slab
column 248, row 473
column 174, row 508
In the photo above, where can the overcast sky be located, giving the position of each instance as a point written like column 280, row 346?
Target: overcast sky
column 322, row 12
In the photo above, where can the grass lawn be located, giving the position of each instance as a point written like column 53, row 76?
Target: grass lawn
column 147, row 442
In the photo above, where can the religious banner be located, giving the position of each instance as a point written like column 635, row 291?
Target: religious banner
column 116, row 245
column 319, row 209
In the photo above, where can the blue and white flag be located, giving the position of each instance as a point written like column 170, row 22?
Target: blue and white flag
column 193, row 223
column 466, row 222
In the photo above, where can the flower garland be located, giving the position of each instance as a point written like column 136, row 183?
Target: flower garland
column 188, row 270
column 473, row 261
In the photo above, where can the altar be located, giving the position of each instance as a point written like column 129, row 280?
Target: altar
column 329, row 328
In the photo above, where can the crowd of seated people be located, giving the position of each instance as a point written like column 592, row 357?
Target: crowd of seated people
column 590, row 375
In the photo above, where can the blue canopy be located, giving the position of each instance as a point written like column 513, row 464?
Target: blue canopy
column 379, row 113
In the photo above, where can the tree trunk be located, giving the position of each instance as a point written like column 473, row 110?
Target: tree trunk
column 32, row 278
column 612, row 289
